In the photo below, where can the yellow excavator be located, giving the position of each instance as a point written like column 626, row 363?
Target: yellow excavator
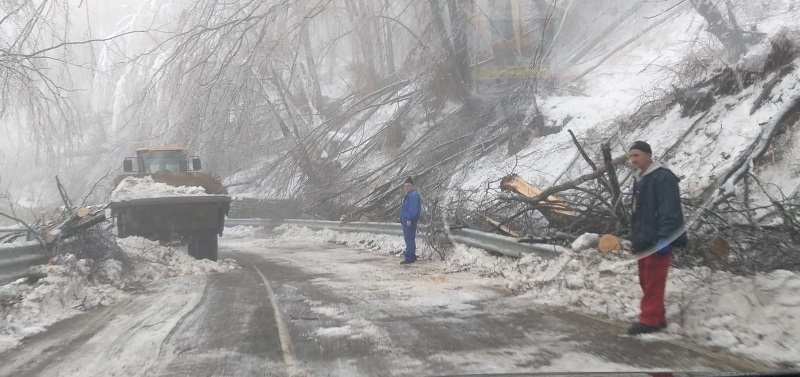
column 196, row 219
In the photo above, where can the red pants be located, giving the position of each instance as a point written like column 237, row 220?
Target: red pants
column 653, row 280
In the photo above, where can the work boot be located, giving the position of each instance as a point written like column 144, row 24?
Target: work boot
column 408, row 261
column 640, row 328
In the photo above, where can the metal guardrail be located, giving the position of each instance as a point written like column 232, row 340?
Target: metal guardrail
column 16, row 258
column 376, row 228
column 509, row 246
column 493, row 242
column 20, row 230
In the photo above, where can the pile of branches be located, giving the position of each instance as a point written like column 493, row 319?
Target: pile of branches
column 737, row 234
column 71, row 220
column 743, row 237
column 593, row 202
column 96, row 246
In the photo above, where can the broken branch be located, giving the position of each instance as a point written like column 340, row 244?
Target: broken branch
column 538, row 199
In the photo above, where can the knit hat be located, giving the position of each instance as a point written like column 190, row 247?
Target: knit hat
column 642, row 146
column 409, row 180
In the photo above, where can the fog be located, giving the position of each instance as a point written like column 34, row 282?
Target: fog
column 317, row 98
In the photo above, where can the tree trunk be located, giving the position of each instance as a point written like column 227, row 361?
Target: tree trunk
column 311, row 65
column 458, row 23
column 389, row 44
column 730, row 36
column 365, row 36
column 455, row 71
column 616, row 191
column 302, row 152
column 363, row 54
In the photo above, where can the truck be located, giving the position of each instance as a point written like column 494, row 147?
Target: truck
column 196, row 220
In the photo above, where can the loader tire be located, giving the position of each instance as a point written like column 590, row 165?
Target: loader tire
column 192, row 246
column 206, row 246
column 121, row 231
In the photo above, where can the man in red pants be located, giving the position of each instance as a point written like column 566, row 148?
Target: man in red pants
column 656, row 227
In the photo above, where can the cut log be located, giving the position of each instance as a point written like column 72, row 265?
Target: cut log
column 515, row 183
column 74, row 217
column 718, row 248
column 84, row 224
column 83, row 212
column 52, row 235
column 537, row 200
column 608, row 242
column 78, row 222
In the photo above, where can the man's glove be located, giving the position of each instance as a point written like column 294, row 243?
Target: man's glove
column 662, row 246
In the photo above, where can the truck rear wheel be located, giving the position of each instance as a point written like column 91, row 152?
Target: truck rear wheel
column 204, row 246
column 192, row 246
column 121, row 231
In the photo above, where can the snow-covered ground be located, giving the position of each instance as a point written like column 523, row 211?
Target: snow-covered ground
column 757, row 316
column 74, row 285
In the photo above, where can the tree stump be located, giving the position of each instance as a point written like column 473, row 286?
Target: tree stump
column 608, row 243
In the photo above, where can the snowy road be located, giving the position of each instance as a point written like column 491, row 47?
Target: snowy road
column 340, row 312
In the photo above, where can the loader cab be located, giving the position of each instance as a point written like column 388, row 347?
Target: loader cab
column 162, row 160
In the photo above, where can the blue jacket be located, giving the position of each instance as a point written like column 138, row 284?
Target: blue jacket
column 411, row 207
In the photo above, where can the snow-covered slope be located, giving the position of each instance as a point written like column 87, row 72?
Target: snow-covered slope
column 643, row 72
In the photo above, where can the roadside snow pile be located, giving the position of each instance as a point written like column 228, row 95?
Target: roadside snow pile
column 152, row 261
column 389, row 244
column 242, row 231
column 75, row 282
column 71, row 285
column 758, row 316
column 142, row 188
column 288, row 234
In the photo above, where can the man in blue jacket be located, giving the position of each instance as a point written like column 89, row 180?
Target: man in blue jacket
column 656, row 227
column 409, row 215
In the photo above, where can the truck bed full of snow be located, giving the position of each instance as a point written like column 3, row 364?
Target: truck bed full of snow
column 141, row 188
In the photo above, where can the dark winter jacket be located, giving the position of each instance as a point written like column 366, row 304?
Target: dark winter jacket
column 411, row 208
column 656, row 209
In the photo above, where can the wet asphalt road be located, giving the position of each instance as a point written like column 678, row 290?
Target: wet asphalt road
column 340, row 312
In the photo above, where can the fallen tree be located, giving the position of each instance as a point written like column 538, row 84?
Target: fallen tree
column 70, row 221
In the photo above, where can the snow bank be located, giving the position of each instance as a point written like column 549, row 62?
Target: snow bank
column 141, row 188
column 394, row 245
column 27, row 309
column 757, row 316
column 73, row 285
column 242, row 231
column 154, row 261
